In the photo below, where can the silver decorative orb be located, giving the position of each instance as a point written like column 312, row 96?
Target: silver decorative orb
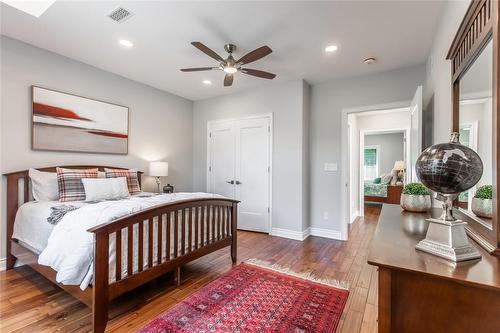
column 449, row 168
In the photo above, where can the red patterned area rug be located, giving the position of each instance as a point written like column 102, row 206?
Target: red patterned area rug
column 257, row 297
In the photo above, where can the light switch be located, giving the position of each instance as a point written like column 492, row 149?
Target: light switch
column 330, row 167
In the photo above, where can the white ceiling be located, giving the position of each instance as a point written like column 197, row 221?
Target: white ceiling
column 397, row 33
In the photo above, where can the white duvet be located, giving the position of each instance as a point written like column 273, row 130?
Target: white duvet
column 70, row 248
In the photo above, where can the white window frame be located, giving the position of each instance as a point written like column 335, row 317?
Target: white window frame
column 377, row 159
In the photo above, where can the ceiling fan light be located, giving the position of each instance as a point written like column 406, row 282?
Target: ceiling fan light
column 230, row 69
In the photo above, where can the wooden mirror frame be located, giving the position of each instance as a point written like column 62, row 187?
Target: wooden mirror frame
column 479, row 26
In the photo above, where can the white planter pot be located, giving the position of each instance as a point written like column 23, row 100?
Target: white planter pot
column 482, row 207
column 416, row 203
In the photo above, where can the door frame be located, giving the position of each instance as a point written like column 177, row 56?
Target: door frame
column 407, row 145
column 344, row 178
column 268, row 116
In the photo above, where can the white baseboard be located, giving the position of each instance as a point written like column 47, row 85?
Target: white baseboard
column 297, row 235
column 291, row 234
column 3, row 264
column 354, row 217
column 326, row 233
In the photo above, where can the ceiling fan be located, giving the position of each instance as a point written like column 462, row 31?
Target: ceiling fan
column 231, row 66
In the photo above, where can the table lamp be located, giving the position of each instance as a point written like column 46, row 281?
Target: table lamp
column 400, row 166
column 158, row 169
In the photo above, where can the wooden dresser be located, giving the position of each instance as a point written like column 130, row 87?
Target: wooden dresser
column 419, row 292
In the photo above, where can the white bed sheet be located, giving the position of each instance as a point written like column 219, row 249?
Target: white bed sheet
column 31, row 227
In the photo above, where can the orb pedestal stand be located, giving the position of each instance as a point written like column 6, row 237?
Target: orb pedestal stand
column 446, row 236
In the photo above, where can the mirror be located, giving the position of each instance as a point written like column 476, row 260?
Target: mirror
column 476, row 131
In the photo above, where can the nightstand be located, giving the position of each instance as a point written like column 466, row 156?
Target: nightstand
column 394, row 194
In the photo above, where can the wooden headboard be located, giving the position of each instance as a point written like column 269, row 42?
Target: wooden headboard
column 20, row 180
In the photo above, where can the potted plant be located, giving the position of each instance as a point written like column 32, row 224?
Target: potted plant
column 415, row 198
column 482, row 204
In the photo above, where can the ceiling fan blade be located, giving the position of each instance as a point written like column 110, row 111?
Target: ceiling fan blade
column 203, row 48
column 228, row 80
column 256, row 72
column 255, row 55
column 198, row 69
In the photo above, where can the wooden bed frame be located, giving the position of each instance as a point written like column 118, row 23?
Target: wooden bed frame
column 186, row 216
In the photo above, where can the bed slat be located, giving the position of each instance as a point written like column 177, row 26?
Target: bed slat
column 183, row 232
column 118, row 251
column 160, row 242
column 202, row 225
column 190, row 229
column 212, row 208
column 130, row 248
column 196, row 228
column 176, row 232
column 150, row 242
column 141, row 246
column 167, row 248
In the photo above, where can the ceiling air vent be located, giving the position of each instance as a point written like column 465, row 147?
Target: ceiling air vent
column 120, row 15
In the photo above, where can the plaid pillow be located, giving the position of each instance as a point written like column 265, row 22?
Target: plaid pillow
column 70, row 183
column 131, row 175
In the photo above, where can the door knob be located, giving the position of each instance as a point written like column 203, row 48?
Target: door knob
column 230, row 182
column 238, row 182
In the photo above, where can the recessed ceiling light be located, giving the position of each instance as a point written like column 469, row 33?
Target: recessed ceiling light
column 126, row 43
column 35, row 8
column 369, row 61
column 331, row 48
column 207, row 82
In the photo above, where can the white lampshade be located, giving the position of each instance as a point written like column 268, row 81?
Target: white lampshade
column 158, row 169
column 399, row 165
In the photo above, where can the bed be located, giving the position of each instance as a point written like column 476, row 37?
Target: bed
column 384, row 193
column 99, row 251
column 375, row 192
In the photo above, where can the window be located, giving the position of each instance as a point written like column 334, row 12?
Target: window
column 371, row 158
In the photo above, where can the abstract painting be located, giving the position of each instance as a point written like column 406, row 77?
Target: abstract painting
column 65, row 122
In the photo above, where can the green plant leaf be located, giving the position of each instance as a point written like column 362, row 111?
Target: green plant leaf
column 484, row 192
column 415, row 189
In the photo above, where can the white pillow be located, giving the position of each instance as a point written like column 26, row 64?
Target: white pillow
column 105, row 188
column 44, row 185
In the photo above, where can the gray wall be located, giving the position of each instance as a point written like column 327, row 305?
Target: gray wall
column 391, row 149
column 437, row 88
column 327, row 102
column 286, row 103
column 160, row 123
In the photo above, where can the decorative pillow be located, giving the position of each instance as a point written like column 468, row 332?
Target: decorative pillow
column 131, row 175
column 386, row 179
column 105, row 188
column 377, row 180
column 70, row 183
column 44, row 185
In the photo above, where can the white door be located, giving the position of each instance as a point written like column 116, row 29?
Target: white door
column 239, row 168
column 252, row 173
column 221, row 159
column 415, row 133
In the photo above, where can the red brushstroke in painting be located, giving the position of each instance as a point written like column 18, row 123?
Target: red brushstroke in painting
column 53, row 111
column 111, row 134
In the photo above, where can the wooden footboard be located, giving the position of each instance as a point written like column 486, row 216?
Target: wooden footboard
column 164, row 237
column 145, row 245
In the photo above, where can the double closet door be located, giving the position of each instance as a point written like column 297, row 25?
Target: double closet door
column 239, row 167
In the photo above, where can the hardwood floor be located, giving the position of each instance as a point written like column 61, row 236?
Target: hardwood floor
column 29, row 303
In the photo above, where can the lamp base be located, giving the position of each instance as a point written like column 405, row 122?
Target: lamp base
column 158, row 184
column 447, row 239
